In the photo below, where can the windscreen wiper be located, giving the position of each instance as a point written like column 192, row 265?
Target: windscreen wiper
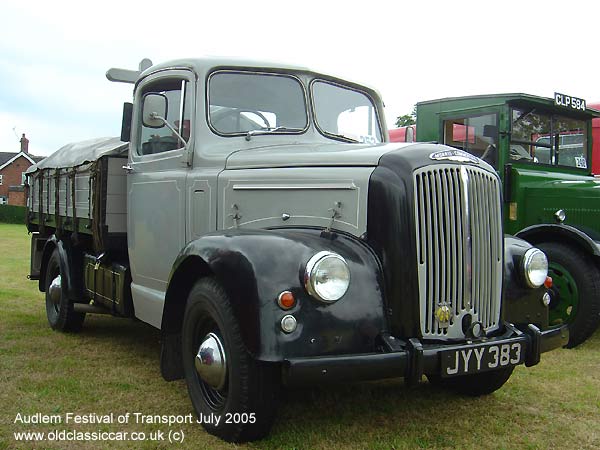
column 270, row 130
column 343, row 137
column 525, row 114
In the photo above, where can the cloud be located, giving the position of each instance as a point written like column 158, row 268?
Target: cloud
column 53, row 55
column 45, row 135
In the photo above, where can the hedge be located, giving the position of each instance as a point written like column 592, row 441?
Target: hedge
column 12, row 214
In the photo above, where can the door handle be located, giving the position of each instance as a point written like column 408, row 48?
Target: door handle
column 127, row 168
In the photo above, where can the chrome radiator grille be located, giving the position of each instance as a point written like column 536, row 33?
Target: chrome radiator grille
column 459, row 248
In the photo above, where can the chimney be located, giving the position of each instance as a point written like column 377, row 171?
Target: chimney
column 24, row 144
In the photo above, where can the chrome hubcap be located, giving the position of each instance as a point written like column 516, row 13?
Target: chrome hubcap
column 211, row 362
column 55, row 290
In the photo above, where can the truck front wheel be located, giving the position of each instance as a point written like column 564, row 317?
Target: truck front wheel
column 575, row 294
column 59, row 309
column 234, row 396
column 476, row 384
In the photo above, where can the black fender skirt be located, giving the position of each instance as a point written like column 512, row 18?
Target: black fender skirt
column 521, row 304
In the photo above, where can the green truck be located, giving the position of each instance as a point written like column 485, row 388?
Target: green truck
column 542, row 150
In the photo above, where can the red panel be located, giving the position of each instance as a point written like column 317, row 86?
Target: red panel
column 595, row 141
column 403, row 134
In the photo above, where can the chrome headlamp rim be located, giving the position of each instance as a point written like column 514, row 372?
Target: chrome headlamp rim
column 528, row 257
column 309, row 275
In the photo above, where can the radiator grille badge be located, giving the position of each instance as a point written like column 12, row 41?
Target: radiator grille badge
column 443, row 315
column 454, row 155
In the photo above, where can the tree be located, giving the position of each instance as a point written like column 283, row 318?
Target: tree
column 407, row 119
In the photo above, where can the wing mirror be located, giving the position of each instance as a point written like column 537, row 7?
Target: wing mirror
column 126, row 122
column 154, row 110
column 490, row 131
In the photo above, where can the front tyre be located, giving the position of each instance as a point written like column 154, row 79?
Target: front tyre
column 59, row 309
column 575, row 293
column 234, row 395
column 476, row 384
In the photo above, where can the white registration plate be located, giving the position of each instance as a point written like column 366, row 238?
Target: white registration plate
column 480, row 358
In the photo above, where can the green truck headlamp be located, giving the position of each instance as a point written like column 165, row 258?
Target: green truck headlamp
column 535, row 267
column 327, row 276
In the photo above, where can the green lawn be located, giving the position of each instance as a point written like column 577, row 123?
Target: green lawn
column 112, row 366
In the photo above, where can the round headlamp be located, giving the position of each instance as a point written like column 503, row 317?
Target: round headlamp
column 327, row 276
column 535, row 267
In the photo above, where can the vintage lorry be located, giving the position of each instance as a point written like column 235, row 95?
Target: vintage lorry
column 260, row 219
column 542, row 150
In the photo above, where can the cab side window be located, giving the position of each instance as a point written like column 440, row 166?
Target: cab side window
column 161, row 138
column 477, row 135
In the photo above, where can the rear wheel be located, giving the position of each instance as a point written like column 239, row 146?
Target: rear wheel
column 476, row 384
column 59, row 309
column 575, row 292
column 224, row 382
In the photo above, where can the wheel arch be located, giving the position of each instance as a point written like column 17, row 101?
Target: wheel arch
column 231, row 259
column 254, row 267
column 186, row 271
column 71, row 266
column 198, row 259
column 586, row 241
column 51, row 244
column 49, row 247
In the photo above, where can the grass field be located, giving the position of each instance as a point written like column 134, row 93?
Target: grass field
column 112, row 366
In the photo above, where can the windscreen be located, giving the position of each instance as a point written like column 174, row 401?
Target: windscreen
column 345, row 113
column 548, row 139
column 240, row 102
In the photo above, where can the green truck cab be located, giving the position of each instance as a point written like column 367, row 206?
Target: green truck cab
column 542, row 150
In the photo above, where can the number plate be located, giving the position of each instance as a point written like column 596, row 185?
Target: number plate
column 568, row 101
column 480, row 358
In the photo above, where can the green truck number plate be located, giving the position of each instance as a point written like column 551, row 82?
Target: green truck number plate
column 480, row 358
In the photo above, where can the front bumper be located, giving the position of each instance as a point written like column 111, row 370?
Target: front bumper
column 412, row 359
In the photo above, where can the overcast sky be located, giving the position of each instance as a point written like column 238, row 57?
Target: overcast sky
column 54, row 54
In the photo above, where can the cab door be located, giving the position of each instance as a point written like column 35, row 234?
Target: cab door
column 156, row 184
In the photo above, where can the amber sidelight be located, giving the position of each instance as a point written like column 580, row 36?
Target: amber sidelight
column 286, row 300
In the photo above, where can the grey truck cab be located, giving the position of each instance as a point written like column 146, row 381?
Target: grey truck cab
column 261, row 221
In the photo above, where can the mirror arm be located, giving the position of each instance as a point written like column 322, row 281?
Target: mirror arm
column 153, row 115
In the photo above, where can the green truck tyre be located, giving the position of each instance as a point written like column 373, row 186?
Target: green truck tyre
column 574, row 277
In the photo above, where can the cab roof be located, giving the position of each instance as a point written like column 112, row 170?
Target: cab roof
column 204, row 65
column 489, row 100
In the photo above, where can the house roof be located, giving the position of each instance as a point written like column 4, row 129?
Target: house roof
column 7, row 158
